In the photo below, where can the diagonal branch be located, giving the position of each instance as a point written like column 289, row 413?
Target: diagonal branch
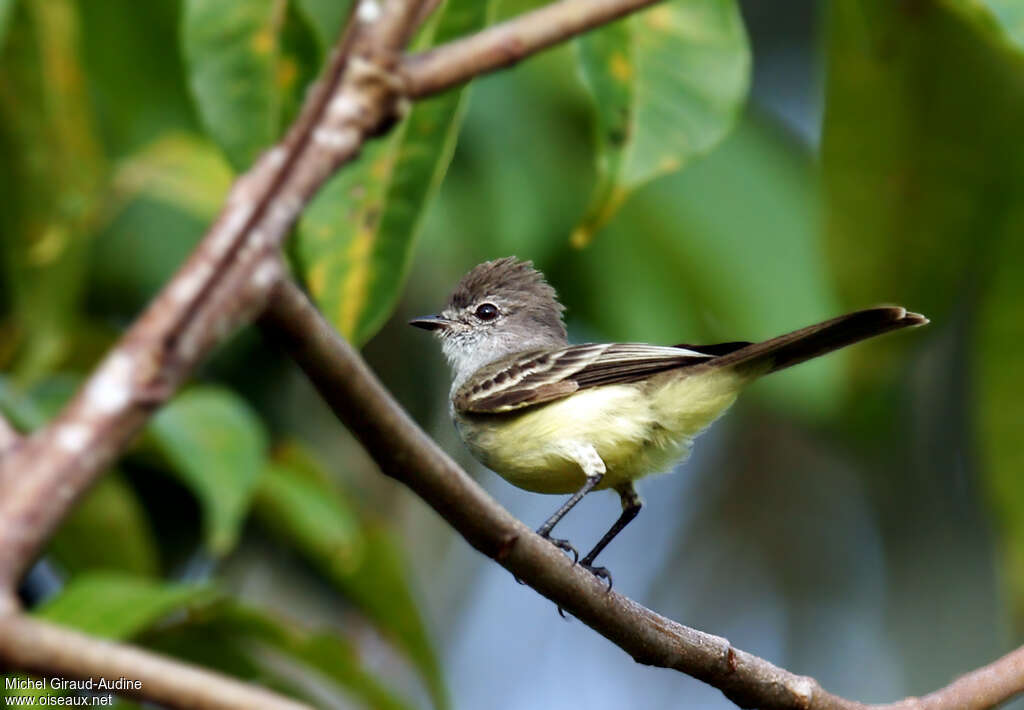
column 223, row 284
column 226, row 279
column 404, row 452
column 40, row 647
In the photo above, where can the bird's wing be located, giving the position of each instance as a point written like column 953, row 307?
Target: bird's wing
column 536, row 377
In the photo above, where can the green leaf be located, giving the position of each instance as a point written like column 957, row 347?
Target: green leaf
column 326, row 17
column 177, row 169
column 216, row 444
column 923, row 170
column 333, row 656
column 324, row 526
column 999, row 404
column 248, row 642
column 52, row 177
column 123, row 607
column 711, row 272
column 118, row 606
column 297, row 503
column 921, row 167
column 667, row 86
column 136, row 81
column 107, row 530
column 24, row 413
column 355, row 239
column 1002, row 17
column 231, row 53
column 6, row 8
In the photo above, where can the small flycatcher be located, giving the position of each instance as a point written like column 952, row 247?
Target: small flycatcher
column 557, row 418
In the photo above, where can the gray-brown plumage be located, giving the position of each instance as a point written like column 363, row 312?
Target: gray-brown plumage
column 553, row 417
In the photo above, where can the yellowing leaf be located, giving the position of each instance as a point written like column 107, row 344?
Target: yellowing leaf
column 667, row 86
column 355, row 239
column 230, row 49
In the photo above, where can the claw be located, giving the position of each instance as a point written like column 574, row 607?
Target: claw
column 599, row 572
column 564, row 546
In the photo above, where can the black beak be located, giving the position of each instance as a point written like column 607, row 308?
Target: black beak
column 430, row 322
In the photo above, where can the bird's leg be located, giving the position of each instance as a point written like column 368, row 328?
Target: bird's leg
column 631, row 505
column 593, row 468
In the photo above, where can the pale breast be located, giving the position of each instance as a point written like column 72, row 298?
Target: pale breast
column 636, row 428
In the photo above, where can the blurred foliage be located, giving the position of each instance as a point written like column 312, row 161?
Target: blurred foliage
column 925, row 198
column 213, row 440
column 122, row 125
column 667, row 86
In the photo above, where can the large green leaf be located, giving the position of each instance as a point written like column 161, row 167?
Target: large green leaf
column 297, row 503
column 924, row 174
column 999, row 372
column 6, row 8
column 324, row 526
column 326, row 17
column 52, row 176
column 330, row 654
column 177, row 169
column 216, row 444
column 996, row 16
column 132, row 55
column 124, row 607
column 118, row 606
column 355, row 239
column 685, row 265
column 248, row 642
column 667, row 86
column 920, row 173
column 231, row 49
column 107, row 530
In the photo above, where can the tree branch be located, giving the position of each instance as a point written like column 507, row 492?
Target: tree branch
column 504, row 44
column 45, row 649
column 223, row 284
column 404, row 452
column 225, row 281
column 228, row 279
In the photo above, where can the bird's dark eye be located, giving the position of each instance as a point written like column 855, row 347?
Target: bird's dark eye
column 487, row 311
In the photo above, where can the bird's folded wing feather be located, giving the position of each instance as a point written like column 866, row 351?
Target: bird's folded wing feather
column 533, row 378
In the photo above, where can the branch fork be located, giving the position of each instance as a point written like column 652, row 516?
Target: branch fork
column 233, row 276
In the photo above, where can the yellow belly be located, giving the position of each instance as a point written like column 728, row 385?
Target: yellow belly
column 637, row 429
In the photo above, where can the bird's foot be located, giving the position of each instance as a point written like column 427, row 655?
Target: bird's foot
column 599, row 572
column 563, row 545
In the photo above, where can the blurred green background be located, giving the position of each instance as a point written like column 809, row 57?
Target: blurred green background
column 708, row 171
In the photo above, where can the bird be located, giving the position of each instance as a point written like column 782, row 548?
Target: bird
column 556, row 418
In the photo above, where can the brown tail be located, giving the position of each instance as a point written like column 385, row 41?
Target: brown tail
column 814, row 340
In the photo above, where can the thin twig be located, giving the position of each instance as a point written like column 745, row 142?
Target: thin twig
column 504, row 44
column 45, row 649
column 404, row 452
